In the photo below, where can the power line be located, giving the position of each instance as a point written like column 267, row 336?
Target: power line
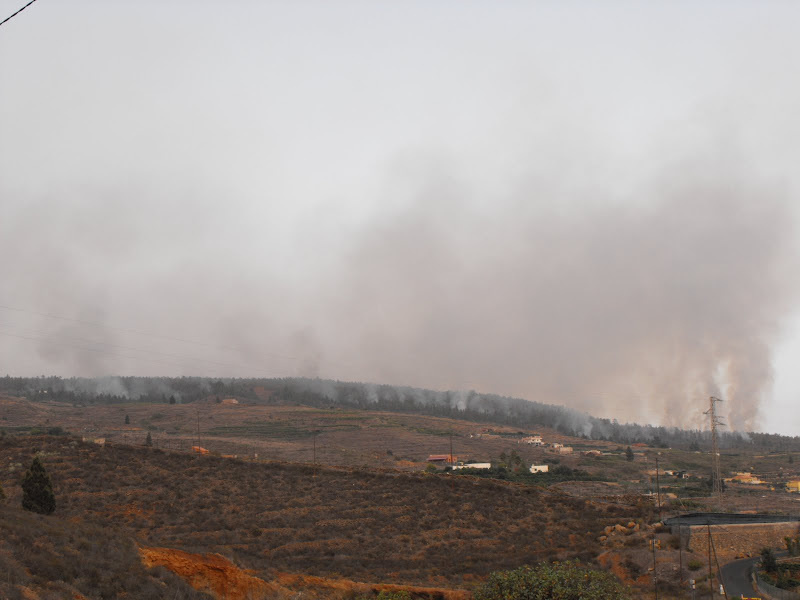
column 150, row 334
column 16, row 13
column 96, row 350
column 133, row 331
column 58, row 338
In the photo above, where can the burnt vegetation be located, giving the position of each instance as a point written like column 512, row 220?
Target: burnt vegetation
column 470, row 406
column 277, row 517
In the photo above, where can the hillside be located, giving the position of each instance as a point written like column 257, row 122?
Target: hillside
column 318, row 393
column 364, row 516
column 276, row 518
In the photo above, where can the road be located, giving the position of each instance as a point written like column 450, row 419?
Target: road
column 736, row 576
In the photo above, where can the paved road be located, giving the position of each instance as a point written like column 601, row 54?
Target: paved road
column 727, row 519
column 736, row 576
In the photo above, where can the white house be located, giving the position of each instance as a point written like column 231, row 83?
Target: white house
column 540, row 468
column 535, row 440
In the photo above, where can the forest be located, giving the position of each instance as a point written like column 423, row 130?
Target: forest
column 320, row 393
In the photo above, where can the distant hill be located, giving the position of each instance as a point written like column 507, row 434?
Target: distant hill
column 485, row 408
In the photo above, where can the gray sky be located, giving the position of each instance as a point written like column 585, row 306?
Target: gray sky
column 591, row 204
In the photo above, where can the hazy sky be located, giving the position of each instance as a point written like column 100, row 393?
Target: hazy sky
column 591, row 204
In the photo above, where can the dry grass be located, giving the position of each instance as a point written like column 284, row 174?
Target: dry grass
column 361, row 524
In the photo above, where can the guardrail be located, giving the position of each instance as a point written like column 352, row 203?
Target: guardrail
column 772, row 592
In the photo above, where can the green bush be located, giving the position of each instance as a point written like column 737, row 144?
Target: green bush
column 37, row 490
column 401, row 595
column 565, row 581
column 695, row 565
column 768, row 561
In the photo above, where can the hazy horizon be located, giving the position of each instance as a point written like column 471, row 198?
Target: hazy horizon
column 575, row 204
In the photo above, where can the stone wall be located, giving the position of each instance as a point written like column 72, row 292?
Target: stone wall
column 738, row 541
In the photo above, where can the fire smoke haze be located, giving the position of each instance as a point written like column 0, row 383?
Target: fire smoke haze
column 584, row 205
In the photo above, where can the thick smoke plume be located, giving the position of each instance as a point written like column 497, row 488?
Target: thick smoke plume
column 637, row 309
column 508, row 201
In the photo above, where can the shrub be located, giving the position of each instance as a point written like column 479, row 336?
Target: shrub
column 37, row 489
column 792, row 545
column 694, row 565
column 566, row 581
column 768, row 561
column 401, row 595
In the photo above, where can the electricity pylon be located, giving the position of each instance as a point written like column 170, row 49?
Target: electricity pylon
column 716, row 471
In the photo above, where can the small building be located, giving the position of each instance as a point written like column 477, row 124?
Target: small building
column 533, row 440
column 539, row 468
column 230, row 401
column 199, row 449
column 560, row 449
column 793, row 486
column 591, row 453
column 473, row 466
column 747, row 478
column 442, row 458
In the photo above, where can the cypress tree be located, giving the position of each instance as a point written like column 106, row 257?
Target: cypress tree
column 149, row 440
column 37, row 489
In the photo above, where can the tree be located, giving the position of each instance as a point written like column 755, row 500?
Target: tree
column 127, row 420
column 565, row 581
column 149, row 440
column 768, row 561
column 629, row 454
column 172, row 399
column 37, row 489
column 2, row 493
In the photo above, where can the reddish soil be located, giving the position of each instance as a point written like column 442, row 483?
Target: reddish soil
column 215, row 574
column 208, row 573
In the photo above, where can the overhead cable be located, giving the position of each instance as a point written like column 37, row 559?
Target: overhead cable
column 16, row 13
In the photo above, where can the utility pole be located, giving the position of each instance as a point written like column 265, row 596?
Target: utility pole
column 198, row 427
column 680, row 552
column 658, row 490
column 716, row 471
column 723, row 589
column 314, row 450
column 710, row 570
column 451, row 448
column 655, row 572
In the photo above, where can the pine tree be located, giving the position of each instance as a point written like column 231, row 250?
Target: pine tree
column 127, row 420
column 149, row 440
column 2, row 493
column 629, row 454
column 37, row 489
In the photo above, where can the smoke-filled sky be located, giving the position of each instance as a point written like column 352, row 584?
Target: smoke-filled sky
column 589, row 204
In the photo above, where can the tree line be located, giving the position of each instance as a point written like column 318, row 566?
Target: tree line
column 322, row 393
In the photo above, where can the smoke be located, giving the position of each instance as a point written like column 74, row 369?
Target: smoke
column 637, row 310
column 544, row 214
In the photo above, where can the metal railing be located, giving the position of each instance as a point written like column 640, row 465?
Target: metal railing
column 774, row 592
